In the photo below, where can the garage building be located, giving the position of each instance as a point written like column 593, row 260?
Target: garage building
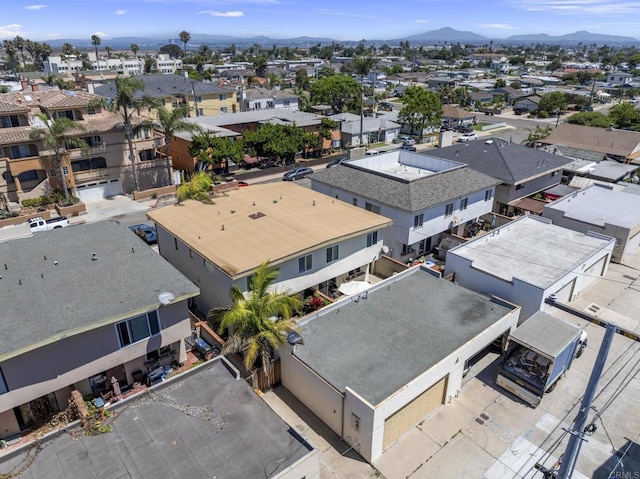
column 374, row 365
column 602, row 209
column 528, row 259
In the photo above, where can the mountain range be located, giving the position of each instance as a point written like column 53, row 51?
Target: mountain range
column 446, row 34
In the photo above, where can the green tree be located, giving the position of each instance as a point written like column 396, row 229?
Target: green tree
column 128, row 101
column 279, row 141
column 58, row 135
column 68, row 50
column 516, row 85
column 590, row 118
column 260, row 66
column 421, row 109
column 184, row 38
column 172, row 50
column 538, row 134
column 134, row 48
column 500, row 83
column 552, row 103
column 95, row 41
column 169, row 122
column 197, row 188
column 302, row 80
column 20, row 44
column 625, row 115
column 338, row 91
column 260, row 320
column 554, row 65
column 213, row 150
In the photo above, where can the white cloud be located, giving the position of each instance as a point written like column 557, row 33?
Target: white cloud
column 100, row 34
column 120, row 12
column 422, row 21
column 580, row 7
column 10, row 31
column 35, row 7
column 498, row 26
column 214, row 13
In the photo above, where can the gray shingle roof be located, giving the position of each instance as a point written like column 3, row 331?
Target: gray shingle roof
column 411, row 196
column 167, row 85
column 509, row 162
column 40, row 300
column 403, row 328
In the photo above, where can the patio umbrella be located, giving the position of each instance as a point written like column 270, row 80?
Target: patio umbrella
column 353, row 287
column 115, row 385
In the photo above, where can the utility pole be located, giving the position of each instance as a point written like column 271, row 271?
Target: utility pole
column 570, row 456
column 195, row 100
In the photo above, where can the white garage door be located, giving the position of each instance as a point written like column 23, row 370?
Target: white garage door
column 414, row 412
column 99, row 190
column 564, row 294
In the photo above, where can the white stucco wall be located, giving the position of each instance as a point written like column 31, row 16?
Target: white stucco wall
column 314, row 392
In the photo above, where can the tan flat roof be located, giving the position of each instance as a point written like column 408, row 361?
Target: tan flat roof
column 233, row 234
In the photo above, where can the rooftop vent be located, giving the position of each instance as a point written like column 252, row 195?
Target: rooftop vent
column 94, row 256
column 256, row 215
column 488, row 142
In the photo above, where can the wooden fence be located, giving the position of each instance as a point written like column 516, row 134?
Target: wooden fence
column 265, row 382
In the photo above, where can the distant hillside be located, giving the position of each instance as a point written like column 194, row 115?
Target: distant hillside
column 447, row 34
column 577, row 37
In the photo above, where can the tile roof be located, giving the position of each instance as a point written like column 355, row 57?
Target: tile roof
column 602, row 140
column 449, row 111
column 509, row 162
column 410, row 196
column 10, row 107
column 49, row 99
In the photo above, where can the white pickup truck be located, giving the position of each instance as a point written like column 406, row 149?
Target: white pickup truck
column 40, row 224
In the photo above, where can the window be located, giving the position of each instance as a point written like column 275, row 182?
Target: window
column 224, row 109
column 65, row 114
column 373, row 208
column 417, row 220
column 53, row 173
column 354, row 202
column 175, row 242
column 65, row 170
column 222, row 97
column 198, row 99
column 487, row 195
column 30, row 175
column 305, row 263
column 448, row 210
column 520, row 186
column 3, row 385
column 89, row 164
column 555, row 173
column 146, row 155
column 463, row 203
column 20, row 151
column 286, row 103
column 138, row 328
column 372, row 238
column 333, row 253
column 406, row 249
column 9, row 121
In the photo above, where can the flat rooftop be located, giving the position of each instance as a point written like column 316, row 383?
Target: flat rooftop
column 598, row 205
column 274, row 221
column 532, row 250
column 404, row 165
column 51, row 287
column 206, row 424
column 405, row 326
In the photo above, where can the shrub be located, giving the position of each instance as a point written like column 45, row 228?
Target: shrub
column 543, row 114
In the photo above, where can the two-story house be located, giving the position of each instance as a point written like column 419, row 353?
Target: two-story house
column 315, row 241
column 104, row 169
column 522, row 171
column 175, row 90
column 423, row 195
column 79, row 306
column 264, row 99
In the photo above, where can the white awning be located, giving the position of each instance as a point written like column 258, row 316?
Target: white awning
column 354, row 287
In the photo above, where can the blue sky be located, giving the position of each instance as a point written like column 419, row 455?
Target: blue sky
column 339, row 19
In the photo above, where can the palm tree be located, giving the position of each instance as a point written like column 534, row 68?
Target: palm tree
column 134, row 48
column 109, row 50
column 20, row 44
column 127, row 101
column 363, row 67
column 169, row 123
column 197, row 188
column 95, row 40
column 259, row 320
column 58, row 135
column 184, row 38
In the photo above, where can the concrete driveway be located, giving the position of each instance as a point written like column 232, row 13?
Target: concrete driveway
column 99, row 210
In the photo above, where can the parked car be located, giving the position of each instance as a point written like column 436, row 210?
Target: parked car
column 407, row 140
column 336, row 162
column 464, row 129
column 40, row 224
column 408, row 148
column 587, row 108
column 147, row 233
column 296, row 174
column 242, row 184
column 467, row 137
column 372, row 152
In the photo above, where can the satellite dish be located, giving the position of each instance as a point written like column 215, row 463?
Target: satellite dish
column 294, row 338
column 385, row 249
column 166, row 298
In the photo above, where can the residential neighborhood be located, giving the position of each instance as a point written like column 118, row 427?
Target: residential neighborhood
column 312, row 257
